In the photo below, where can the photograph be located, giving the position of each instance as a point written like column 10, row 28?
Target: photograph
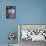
column 31, row 33
column 11, row 12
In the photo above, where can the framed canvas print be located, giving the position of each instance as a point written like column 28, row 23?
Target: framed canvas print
column 11, row 12
column 29, row 34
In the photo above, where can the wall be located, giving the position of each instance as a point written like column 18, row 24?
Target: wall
column 6, row 25
column 27, row 12
column 31, row 11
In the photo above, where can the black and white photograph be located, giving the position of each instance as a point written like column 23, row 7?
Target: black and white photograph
column 11, row 12
column 32, row 35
